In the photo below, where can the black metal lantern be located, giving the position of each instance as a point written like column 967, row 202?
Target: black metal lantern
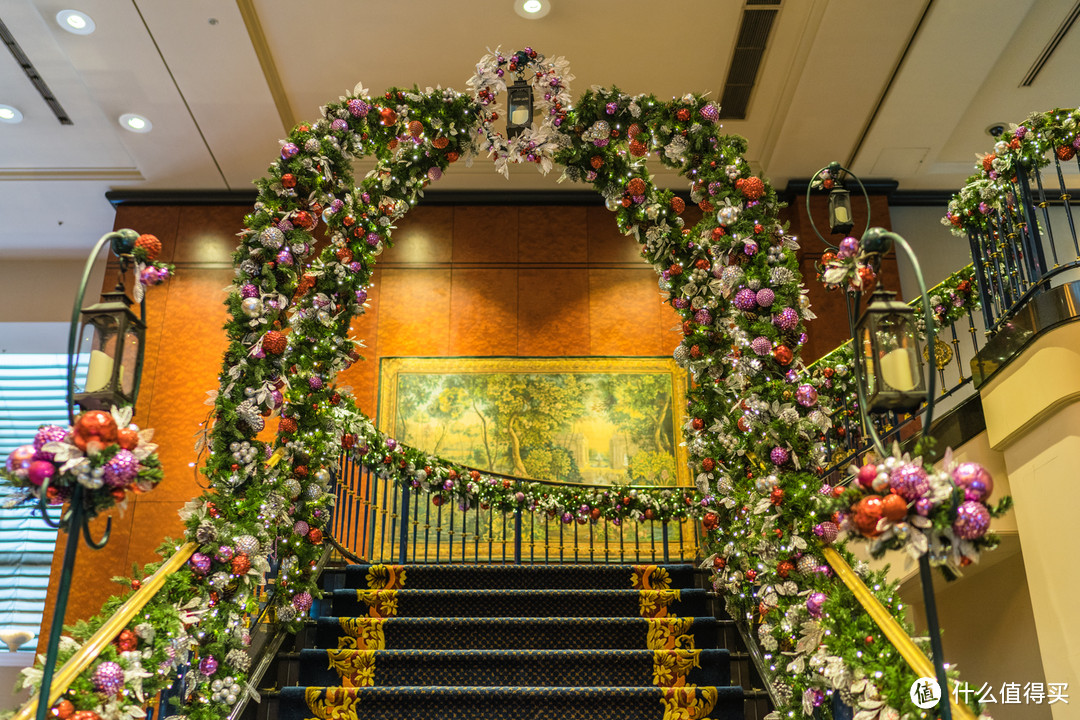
column 887, row 351
column 520, row 112
column 111, row 339
column 840, row 211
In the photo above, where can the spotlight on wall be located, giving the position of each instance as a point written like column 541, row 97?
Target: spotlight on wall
column 75, row 22
column 135, row 123
column 10, row 115
column 532, row 9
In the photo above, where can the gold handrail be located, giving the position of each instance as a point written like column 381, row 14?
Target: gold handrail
column 82, row 659
column 894, row 633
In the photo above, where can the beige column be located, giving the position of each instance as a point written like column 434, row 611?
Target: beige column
column 1032, row 410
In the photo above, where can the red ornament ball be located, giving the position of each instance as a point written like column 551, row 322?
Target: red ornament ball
column 440, row 142
column 597, row 162
column 784, row 568
column 150, row 244
column 743, row 424
column 287, row 426
column 776, row 496
column 783, row 354
column 63, row 709
column 751, row 575
column 1066, row 152
column 416, row 128
column 275, row 342
column 708, row 464
column 638, row 148
column 128, row 438
column 315, row 536
column 288, row 180
column 636, row 186
column 710, row 522
column 866, row 514
column 240, row 564
column 387, row 117
column 752, row 187
column 436, row 500
column 126, row 641
column 683, row 115
column 678, row 205
column 650, row 513
column 719, row 563
column 697, row 424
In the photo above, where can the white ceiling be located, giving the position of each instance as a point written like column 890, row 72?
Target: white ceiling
column 848, row 80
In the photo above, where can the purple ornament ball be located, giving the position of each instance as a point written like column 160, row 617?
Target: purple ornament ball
column 827, row 531
column 121, row 469
column 301, row 527
column 567, row 518
column 434, row 173
column 200, row 563
column 338, row 125
column 284, row 258
column 108, row 678
column 289, row 150
column 806, row 395
column 224, row 553
column 45, row 435
column 814, row 603
column 909, row 481
column 974, row 480
column 746, row 299
column 208, row 665
column 249, row 291
column 786, row 319
column 848, row 247
column 779, row 455
column 972, row 520
column 315, row 382
column 765, row 297
column 302, row 601
column 18, row 462
column 761, row 345
column 703, row 317
column 750, row 247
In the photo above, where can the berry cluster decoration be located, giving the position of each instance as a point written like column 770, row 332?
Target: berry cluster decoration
column 103, row 452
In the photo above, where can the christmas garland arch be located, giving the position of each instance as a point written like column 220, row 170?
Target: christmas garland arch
column 754, row 426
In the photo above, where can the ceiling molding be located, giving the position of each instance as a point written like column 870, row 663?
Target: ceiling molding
column 53, row 174
column 431, row 197
column 266, row 62
column 873, row 186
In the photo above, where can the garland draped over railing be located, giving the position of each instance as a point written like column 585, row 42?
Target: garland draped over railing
column 753, row 435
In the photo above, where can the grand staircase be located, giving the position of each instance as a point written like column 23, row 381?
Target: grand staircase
column 527, row 642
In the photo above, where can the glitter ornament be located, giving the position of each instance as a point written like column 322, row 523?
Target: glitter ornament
column 315, row 382
column 311, row 145
column 108, row 678
column 247, row 544
column 301, row 527
column 909, row 481
column 302, row 602
column 47, row 434
column 709, row 113
column 761, row 345
column 434, row 173
column 275, row 342
column 249, row 291
column 765, row 297
column 292, row 488
column 357, row 107
column 286, row 613
column 867, row 474
column 752, row 187
column 240, row 564
column 972, row 520
column 814, row 603
column 973, row 479
column 121, row 470
column 703, row 317
column 779, row 455
column 806, row 564
column 827, row 531
column 224, row 554
column 746, row 299
column 289, row 150
column 786, row 319
column 806, row 395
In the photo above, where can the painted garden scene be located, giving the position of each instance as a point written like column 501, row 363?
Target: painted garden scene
column 604, row 421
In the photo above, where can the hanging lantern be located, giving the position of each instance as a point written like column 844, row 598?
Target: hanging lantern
column 520, row 114
column 111, row 343
column 840, row 211
column 888, row 355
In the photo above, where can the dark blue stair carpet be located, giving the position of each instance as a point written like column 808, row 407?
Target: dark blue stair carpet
column 518, row 703
column 537, row 668
column 489, row 633
column 518, row 577
column 519, row 603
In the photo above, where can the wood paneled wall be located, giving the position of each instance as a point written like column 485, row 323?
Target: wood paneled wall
column 469, row 280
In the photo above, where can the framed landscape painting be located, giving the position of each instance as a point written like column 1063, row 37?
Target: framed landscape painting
column 589, row 420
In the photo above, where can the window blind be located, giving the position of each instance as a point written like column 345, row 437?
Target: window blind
column 32, row 393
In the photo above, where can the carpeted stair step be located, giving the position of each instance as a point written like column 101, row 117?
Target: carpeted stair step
column 509, row 633
column 538, row 668
column 519, row 603
column 519, row 703
column 517, row 577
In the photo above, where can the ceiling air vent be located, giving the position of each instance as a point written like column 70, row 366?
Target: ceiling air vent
column 32, row 73
column 746, row 60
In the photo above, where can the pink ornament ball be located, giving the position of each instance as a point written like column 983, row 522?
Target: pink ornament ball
column 974, row 480
column 779, row 455
column 150, row 276
column 519, row 496
column 703, row 317
column 45, row 435
column 358, row 108
column 302, row 601
column 18, row 462
column 761, row 345
column 208, row 665
column 814, row 604
column 827, row 531
column 249, row 291
column 301, row 528
column 848, row 247
column 40, row 471
column 806, row 395
column 972, row 520
column 746, row 299
column 867, row 474
column 909, row 481
column 765, row 297
column 434, row 173
column 108, row 678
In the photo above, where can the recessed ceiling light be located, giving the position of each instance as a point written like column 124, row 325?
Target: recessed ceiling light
column 135, row 123
column 75, row 22
column 9, row 114
column 532, row 9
